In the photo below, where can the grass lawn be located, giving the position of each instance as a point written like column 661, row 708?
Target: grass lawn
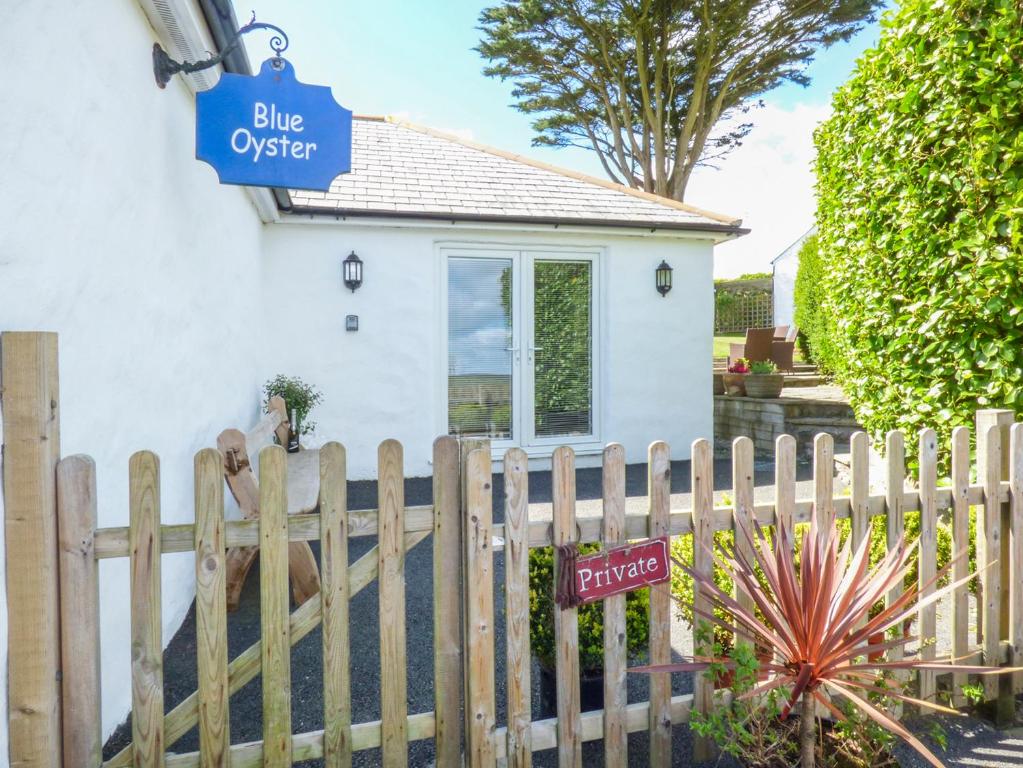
column 721, row 343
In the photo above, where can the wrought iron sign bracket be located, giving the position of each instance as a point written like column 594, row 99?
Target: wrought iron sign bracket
column 164, row 67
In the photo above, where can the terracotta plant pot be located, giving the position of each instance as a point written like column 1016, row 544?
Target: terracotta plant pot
column 734, row 384
column 764, row 384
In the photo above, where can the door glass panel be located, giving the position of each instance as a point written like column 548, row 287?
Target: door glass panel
column 562, row 340
column 479, row 342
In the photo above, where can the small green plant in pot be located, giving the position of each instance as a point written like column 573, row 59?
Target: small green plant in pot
column 764, row 380
column 299, row 397
column 591, row 630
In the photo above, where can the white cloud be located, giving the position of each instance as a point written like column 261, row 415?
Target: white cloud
column 768, row 182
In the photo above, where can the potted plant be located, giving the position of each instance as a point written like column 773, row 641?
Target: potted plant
column 734, row 379
column 591, row 632
column 299, row 397
column 764, row 380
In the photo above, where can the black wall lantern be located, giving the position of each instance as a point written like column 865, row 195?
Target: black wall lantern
column 663, row 278
column 352, row 268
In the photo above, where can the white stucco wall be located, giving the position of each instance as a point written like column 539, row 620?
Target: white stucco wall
column 116, row 238
column 388, row 379
column 785, row 267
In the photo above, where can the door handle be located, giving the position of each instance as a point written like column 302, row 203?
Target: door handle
column 531, row 350
column 514, row 350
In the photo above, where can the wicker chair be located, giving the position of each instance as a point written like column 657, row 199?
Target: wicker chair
column 757, row 346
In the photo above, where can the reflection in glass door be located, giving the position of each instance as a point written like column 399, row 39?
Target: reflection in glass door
column 561, row 353
column 480, row 348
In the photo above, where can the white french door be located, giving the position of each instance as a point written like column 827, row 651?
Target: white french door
column 522, row 361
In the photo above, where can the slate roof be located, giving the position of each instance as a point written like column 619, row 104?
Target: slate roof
column 405, row 170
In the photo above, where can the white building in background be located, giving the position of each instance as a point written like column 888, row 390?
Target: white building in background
column 175, row 297
column 784, row 266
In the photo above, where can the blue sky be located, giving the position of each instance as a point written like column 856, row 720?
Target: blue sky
column 414, row 59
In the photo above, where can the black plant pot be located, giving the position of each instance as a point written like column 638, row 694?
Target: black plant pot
column 591, row 691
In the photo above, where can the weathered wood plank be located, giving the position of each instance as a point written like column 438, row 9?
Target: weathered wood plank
column 566, row 621
column 1016, row 551
column 273, row 607
column 742, row 488
column 659, row 492
column 785, row 482
column 31, row 444
column 147, row 729
column 989, row 544
column 824, row 482
column 391, row 568
column 337, row 679
column 895, row 520
column 616, row 741
column 480, row 701
column 447, row 597
column 928, row 553
column 859, row 488
column 211, row 610
column 703, row 544
column 79, row 579
column 516, row 590
column 960, row 548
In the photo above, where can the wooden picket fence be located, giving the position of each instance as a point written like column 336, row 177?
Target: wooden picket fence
column 463, row 723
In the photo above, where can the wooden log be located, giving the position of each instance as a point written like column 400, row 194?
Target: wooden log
column 147, row 729
column 742, row 488
column 211, row 610
column 79, row 612
column 31, row 445
column 1016, row 551
column 480, row 701
column 516, row 590
column 616, row 698
column 447, row 597
column 703, row 544
column 960, row 550
column 989, row 544
column 302, row 568
column 928, row 554
column 246, row 665
column 391, row 568
column 273, row 607
column 337, row 680
column 824, row 482
column 659, row 493
column 566, row 621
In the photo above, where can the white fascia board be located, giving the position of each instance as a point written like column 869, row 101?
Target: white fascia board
column 181, row 29
column 347, row 220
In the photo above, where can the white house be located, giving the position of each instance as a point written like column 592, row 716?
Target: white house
column 500, row 296
column 784, row 267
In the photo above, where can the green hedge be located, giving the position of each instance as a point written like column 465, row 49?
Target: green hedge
column 816, row 326
column 920, row 217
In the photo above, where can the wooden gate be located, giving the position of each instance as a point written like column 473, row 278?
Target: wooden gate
column 55, row 675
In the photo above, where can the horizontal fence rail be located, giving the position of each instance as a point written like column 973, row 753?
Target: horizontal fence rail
column 466, row 598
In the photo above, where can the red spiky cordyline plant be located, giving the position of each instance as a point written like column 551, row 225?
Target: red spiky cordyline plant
column 815, row 619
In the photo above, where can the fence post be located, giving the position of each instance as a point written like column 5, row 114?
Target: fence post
column 480, row 705
column 79, row 576
column 992, row 467
column 31, row 449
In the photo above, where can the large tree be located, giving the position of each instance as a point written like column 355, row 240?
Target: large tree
column 644, row 82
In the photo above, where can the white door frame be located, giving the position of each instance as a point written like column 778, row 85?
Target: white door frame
column 523, row 416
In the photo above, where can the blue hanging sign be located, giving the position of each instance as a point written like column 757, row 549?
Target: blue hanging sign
column 270, row 130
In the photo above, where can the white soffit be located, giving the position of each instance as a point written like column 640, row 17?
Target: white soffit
column 181, row 28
